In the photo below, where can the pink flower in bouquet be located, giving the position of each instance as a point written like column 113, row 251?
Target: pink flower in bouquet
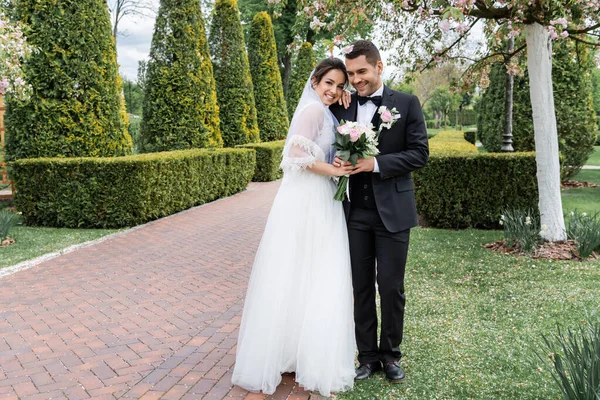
column 354, row 135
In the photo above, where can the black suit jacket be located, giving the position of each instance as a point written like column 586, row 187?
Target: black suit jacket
column 402, row 149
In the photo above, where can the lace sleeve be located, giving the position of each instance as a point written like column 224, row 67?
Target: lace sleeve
column 301, row 150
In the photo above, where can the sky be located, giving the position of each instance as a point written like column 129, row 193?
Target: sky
column 133, row 44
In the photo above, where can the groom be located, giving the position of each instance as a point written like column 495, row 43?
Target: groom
column 381, row 209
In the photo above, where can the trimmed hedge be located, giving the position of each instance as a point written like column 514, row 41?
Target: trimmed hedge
column 461, row 187
column 431, row 124
column 451, row 143
column 268, row 159
column 470, row 190
column 125, row 191
column 470, row 136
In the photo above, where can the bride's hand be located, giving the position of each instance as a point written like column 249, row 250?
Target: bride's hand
column 341, row 171
column 345, row 99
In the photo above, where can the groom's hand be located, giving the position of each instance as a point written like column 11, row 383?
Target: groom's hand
column 364, row 165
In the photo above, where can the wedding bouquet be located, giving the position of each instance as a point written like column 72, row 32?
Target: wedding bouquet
column 353, row 141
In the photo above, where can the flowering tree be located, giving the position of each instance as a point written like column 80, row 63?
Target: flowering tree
column 13, row 49
column 427, row 32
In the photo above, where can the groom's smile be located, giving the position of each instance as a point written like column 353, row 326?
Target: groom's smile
column 364, row 76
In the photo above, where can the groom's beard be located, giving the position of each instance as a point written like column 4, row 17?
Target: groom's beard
column 369, row 88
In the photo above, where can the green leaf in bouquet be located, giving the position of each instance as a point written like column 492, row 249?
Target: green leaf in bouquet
column 354, row 159
column 344, row 154
column 345, row 140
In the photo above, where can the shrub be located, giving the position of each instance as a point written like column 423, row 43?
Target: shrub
column 574, row 358
column 271, row 110
column 305, row 63
column 180, row 100
column 584, row 229
column 8, row 220
column 521, row 229
column 451, row 142
column 235, row 91
column 268, row 159
column 125, row 191
column 470, row 190
column 75, row 108
column 471, row 136
column 468, row 117
column 431, row 124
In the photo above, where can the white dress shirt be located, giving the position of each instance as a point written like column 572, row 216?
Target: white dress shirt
column 365, row 114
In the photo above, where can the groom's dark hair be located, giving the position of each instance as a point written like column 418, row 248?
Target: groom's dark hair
column 365, row 48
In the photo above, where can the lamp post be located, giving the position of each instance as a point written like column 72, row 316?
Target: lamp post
column 508, row 104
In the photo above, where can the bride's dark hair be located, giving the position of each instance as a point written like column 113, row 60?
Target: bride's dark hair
column 327, row 65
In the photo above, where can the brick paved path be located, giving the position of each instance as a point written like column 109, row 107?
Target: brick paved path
column 153, row 313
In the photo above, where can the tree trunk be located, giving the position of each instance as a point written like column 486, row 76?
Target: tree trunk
column 287, row 72
column 539, row 63
column 508, row 105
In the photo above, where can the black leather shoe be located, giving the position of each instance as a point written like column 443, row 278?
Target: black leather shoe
column 393, row 372
column 366, row 370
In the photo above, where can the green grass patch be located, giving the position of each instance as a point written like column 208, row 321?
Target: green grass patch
column 584, row 199
column 594, row 157
column 33, row 242
column 475, row 317
column 588, row 175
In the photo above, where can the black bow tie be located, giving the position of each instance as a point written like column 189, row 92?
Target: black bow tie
column 375, row 100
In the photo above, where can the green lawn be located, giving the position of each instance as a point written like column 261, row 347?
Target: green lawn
column 475, row 317
column 34, row 242
column 584, row 199
column 595, row 157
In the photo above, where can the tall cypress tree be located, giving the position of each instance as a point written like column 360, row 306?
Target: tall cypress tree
column 305, row 63
column 268, row 90
column 76, row 108
column 180, row 100
column 235, row 92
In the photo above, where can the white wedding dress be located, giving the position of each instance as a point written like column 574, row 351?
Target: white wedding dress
column 298, row 313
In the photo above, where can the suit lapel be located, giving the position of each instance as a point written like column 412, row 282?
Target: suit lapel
column 387, row 101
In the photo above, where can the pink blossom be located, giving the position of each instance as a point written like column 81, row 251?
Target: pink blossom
column 348, row 49
column 354, row 135
column 4, row 85
column 444, row 25
column 564, row 34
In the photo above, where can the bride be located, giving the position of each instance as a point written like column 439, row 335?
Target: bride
column 298, row 308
